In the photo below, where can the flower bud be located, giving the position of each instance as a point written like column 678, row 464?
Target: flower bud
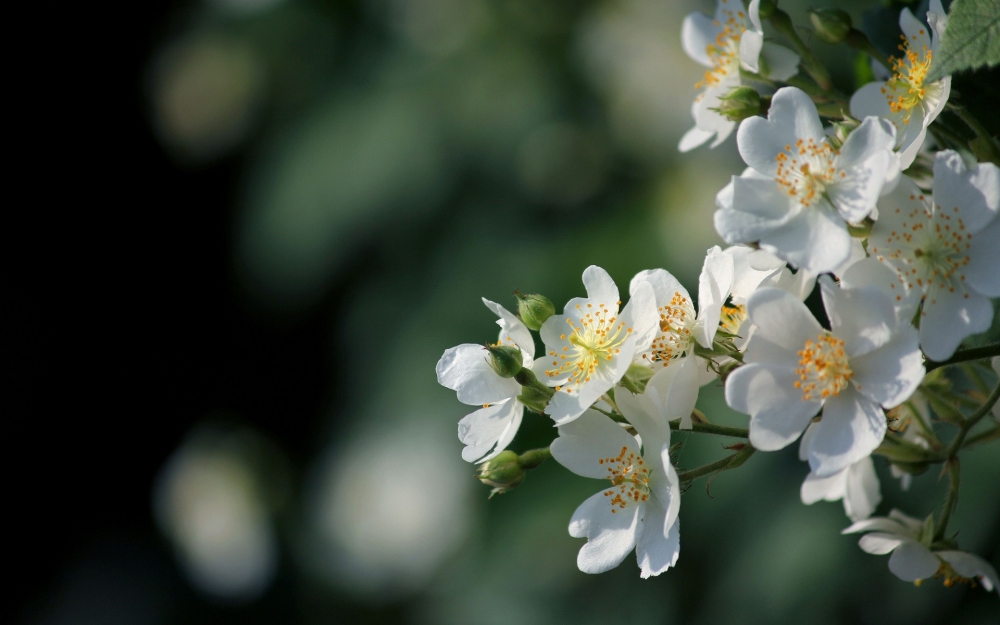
column 739, row 104
column 534, row 398
column 505, row 360
column 534, row 309
column 766, row 8
column 831, row 25
column 503, row 472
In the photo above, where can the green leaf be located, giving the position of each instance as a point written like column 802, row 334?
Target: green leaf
column 971, row 39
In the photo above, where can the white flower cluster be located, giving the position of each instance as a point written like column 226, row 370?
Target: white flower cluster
column 905, row 273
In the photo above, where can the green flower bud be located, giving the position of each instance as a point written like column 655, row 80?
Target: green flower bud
column 534, row 309
column 739, row 104
column 534, row 398
column 766, row 8
column 505, row 359
column 502, row 472
column 831, row 25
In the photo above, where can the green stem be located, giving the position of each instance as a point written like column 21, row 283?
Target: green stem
column 532, row 458
column 951, row 498
column 857, row 40
column 965, row 355
column 983, row 437
column 711, row 428
column 729, row 462
column 970, row 422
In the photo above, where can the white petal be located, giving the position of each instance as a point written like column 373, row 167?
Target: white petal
column 981, row 273
column 714, row 284
column 792, row 116
column 778, row 414
column 831, row 488
column 645, row 413
column 877, row 524
column 975, row 192
column 490, row 428
column 971, row 566
column 914, row 30
column 759, row 207
column 694, row 138
column 782, row 319
column 872, row 273
column 782, row 63
column 466, row 370
column 601, row 289
column 641, row 318
column 514, row 328
column 656, row 552
column 891, row 373
column 947, row 318
column 751, row 43
column 870, row 100
column 912, row 561
column 857, row 254
column 863, row 490
column 816, row 239
column 851, row 428
column 864, row 163
column 682, row 394
column 610, row 536
column 586, row 440
column 863, row 318
column 911, row 137
column 663, row 282
column 697, row 33
column 879, row 544
column 913, row 525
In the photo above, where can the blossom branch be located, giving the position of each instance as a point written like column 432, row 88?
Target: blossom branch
column 950, row 499
column 729, row 462
column 965, row 355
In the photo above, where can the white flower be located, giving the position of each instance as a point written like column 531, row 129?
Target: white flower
column 678, row 328
column 947, row 248
column 795, row 368
column 639, row 508
column 590, row 346
column 905, row 99
column 466, row 370
column 857, row 485
column 801, row 190
column 731, row 40
column 912, row 560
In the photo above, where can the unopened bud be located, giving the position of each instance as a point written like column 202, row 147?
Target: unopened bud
column 739, row 104
column 503, row 472
column 506, row 360
column 766, row 8
column 841, row 130
column 831, row 25
column 534, row 309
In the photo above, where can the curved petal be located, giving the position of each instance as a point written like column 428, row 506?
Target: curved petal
column 514, row 329
column 877, row 524
column 792, row 116
column 879, row 544
column 751, row 43
column 830, row 488
column 891, row 373
column 694, row 138
column 851, row 428
column 466, row 370
column 778, row 414
column 697, row 33
column 583, row 444
column 863, row 318
column 975, row 193
column 947, row 318
column 641, row 318
column 781, row 318
column 758, row 208
column 863, row 163
column 645, row 413
column 601, row 289
column 656, row 551
column 490, row 428
column 816, row 239
column 611, row 533
column 714, row 284
column 911, row 561
column 870, row 100
column 863, row 493
column 971, row 566
column 781, row 62
column 981, row 272
column 872, row 273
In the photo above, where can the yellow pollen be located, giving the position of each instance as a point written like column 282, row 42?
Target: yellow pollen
column 724, row 51
column 905, row 89
column 674, row 337
column 732, row 318
column 805, row 169
column 629, row 479
column 823, row 369
column 594, row 338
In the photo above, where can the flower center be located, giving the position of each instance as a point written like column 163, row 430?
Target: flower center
column 805, row 169
column 724, row 51
column 933, row 246
column 629, row 479
column 905, row 89
column 674, row 336
column 732, row 318
column 595, row 338
column 823, row 369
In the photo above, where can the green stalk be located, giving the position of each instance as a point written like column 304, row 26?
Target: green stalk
column 965, row 355
column 729, row 462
